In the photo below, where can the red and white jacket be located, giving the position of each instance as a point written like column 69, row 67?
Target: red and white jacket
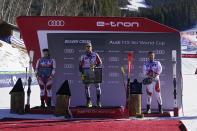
column 88, row 60
column 46, row 63
column 154, row 66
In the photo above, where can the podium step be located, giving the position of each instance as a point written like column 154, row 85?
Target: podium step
column 98, row 112
column 86, row 112
column 39, row 110
column 157, row 114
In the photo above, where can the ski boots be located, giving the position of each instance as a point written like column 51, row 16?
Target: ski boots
column 42, row 104
column 49, row 104
column 68, row 115
column 89, row 102
column 160, row 109
column 148, row 111
column 98, row 102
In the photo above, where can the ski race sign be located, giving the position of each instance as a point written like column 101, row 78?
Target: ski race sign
column 112, row 38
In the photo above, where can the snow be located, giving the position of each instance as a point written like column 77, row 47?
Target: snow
column 7, row 52
column 192, row 28
column 135, row 5
column 10, row 54
column 189, row 66
column 5, row 103
column 189, row 102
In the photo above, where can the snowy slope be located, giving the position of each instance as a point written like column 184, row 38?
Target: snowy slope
column 192, row 28
column 189, row 66
column 13, row 58
column 189, row 102
column 135, row 5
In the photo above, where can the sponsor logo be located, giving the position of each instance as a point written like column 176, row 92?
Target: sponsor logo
column 56, row 23
column 143, row 52
column 113, row 74
column 111, row 66
column 126, row 67
column 99, row 51
column 160, row 59
column 69, row 51
column 85, row 111
column 69, row 73
column 114, row 51
column 70, row 81
column 114, row 59
column 113, row 82
column 114, row 42
column 76, row 41
column 160, row 52
column 68, row 58
column 118, row 24
column 143, row 59
column 68, row 66
column 81, row 51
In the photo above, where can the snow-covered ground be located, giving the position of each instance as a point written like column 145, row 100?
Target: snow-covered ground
column 12, row 57
column 189, row 66
column 7, row 52
column 135, row 5
column 189, row 102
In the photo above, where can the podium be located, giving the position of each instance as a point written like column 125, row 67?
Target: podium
column 135, row 98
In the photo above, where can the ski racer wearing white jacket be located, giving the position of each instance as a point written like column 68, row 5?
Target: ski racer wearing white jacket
column 152, row 69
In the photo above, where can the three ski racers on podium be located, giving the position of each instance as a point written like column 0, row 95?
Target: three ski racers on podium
column 45, row 70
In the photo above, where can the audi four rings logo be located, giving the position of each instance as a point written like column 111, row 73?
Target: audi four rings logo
column 56, row 23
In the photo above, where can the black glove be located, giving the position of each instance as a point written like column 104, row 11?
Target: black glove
column 153, row 73
column 147, row 81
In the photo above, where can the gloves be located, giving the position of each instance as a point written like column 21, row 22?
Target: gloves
column 147, row 81
column 82, row 77
column 152, row 74
column 37, row 75
column 50, row 77
column 92, row 67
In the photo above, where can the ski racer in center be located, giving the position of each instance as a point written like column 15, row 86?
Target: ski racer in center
column 90, row 60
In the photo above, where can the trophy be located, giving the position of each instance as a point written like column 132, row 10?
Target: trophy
column 93, row 74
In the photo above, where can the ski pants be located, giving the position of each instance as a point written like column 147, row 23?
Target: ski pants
column 45, row 84
column 154, row 87
column 87, row 90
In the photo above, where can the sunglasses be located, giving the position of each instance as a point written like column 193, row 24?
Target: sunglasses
column 88, row 46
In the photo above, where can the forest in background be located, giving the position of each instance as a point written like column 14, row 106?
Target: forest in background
column 10, row 9
column 179, row 14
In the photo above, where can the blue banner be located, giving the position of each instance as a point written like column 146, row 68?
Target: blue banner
column 8, row 79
